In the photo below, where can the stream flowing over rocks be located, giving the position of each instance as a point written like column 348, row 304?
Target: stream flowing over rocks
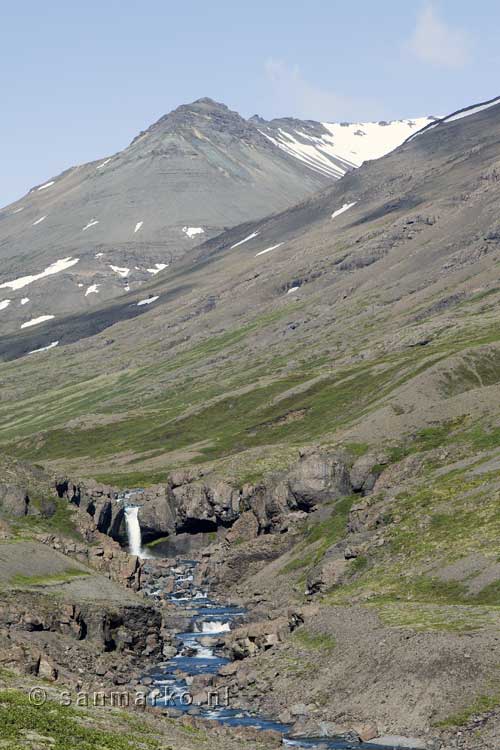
column 193, row 679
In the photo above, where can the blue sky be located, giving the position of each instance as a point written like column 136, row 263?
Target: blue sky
column 79, row 80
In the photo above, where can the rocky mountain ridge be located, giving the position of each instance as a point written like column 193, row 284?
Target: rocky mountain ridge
column 102, row 229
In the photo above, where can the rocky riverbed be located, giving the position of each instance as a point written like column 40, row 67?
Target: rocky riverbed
column 199, row 678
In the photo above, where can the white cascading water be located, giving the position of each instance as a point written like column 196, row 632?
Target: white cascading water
column 215, row 626
column 133, row 530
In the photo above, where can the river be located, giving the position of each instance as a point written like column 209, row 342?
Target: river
column 196, row 655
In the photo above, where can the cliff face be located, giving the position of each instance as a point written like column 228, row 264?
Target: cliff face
column 63, row 621
column 193, row 503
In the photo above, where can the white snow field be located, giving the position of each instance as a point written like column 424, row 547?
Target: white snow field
column 123, row 272
column 47, row 185
column 57, row 267
column 459, row 115
column 345, row 146
column 91, row 223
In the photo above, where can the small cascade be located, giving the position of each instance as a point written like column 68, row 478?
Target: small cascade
column 133, row 530
column 215, row 626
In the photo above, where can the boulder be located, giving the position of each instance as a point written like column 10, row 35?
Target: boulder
column 318, row 477
column 364, row 517
column 14, row 500
column 298, row 709
column 201, row 507
column 326, row 575
column 364, row 472
column 244, row 529
column 46, row 670
column 366, row 732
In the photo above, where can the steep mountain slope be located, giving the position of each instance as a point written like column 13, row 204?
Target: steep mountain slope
column 334, row 148
column 273, row 306
column 329, row 374
column 100, row 229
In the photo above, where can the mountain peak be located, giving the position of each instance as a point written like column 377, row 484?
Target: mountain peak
column 204, row 115
column 206, row 101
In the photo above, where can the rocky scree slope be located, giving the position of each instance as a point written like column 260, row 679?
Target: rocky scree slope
column 101, row 229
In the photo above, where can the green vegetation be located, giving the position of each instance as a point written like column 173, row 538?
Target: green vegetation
column 481, row 705
column 319, row 536
column 156, row 542
column 226, row 395
column 61, row 727
column 232, row 424
column 59, row 521
column 441, row 521
column 322, row 642
column 21, row 581
column 437, row 617
column 358, row 564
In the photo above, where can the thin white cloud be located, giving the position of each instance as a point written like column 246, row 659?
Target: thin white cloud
column 436, row 42
column 293, row 95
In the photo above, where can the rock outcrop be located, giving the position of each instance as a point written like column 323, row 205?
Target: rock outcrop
column 192, row 503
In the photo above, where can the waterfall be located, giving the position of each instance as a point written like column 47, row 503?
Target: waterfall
column 133, row 530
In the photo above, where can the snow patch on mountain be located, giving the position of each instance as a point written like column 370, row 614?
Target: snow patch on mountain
column 4, row 304
column 158, row 267
column 37, row 321
column 344, row 208
column 57, row 267
column 268, row 250
column 39, row 221
column 147, row 301
column 123, row 272
column 91, row 223
column 92, row 289
column 44, row 348
column 247, row 239
column 333, row 148
column 192, row 231
column 47, row 185
column 138, row 226
column 458, row 115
